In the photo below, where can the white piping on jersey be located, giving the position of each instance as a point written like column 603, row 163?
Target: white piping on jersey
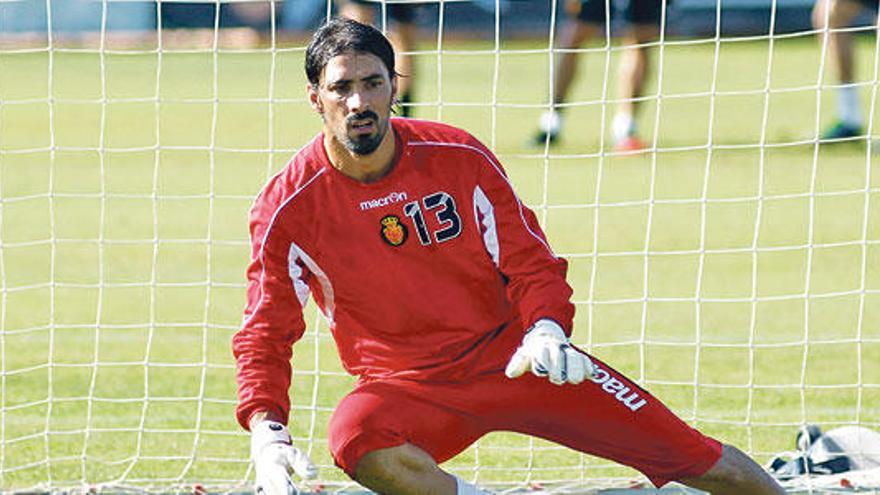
column 326, row 286
column 296, row 274
column 483, row 207
column 498, row 170
column 260, row 255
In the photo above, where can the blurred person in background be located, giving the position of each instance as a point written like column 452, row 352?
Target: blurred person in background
column 830, row 16
column 240, row 24
column 402, row 32
column 585, row 20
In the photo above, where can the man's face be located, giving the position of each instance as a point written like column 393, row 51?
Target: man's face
column 354, row 98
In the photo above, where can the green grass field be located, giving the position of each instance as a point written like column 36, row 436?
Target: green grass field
column 736, row 272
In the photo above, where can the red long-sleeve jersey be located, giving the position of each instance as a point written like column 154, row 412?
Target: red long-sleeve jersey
column 431, row 273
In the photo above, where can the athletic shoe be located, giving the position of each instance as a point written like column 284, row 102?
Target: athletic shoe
column 841, row 130
column 540, row 138
column 549, row 126
column 629, row 144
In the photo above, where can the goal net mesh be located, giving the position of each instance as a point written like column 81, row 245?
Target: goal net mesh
column 730, row 267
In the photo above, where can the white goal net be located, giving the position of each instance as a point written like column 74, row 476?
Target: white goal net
column 731, row 267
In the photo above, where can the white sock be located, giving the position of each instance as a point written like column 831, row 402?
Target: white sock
column 465, row 488
column 623, row 126
column 848, row 106
column 550, row 122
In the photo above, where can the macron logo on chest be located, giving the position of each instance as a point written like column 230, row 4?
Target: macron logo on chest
column 391, row 198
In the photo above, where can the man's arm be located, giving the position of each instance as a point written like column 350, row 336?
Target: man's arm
column 518, row 247
column 536, row 281
column 277, row 288
column 263, row 346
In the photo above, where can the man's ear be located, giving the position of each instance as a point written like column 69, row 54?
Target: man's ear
column 314, row 98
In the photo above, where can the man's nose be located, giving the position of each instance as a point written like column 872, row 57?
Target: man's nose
column 356, row 102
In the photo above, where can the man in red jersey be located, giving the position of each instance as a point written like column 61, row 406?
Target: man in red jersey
column 441, row 292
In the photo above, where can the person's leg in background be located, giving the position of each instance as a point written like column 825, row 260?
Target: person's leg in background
column 829, row 16
column 584, row 20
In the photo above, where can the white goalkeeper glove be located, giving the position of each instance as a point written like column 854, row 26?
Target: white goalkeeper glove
column 546, row 351
column 275, row 458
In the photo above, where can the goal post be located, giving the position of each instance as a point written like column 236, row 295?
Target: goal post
column 731, row 267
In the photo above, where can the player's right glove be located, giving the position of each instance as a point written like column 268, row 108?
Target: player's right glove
column 546, row 351
column 275, row 458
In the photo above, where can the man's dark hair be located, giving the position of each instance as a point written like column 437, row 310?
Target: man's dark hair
column 341, row 35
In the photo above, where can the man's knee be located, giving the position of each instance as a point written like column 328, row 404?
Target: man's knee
column 641, row 35
column 735, row 472
column 394, row 468
column 575, row 33
column 733, row 468
column 378, row 467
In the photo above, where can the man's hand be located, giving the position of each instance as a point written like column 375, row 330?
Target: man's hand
column 275, row 458
column 547, row 352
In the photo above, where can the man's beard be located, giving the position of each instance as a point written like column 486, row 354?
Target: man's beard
column 364, row 144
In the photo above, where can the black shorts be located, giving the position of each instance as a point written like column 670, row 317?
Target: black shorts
column 870, row 4
column 634, row 11
column 402, row 13
column 177, row 15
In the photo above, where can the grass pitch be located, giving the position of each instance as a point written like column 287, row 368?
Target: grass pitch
column 734, row 271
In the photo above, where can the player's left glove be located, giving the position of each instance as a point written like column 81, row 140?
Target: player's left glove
column 546, row 351
column 275, row 457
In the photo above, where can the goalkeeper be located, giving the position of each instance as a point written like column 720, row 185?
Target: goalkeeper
column 443, row 298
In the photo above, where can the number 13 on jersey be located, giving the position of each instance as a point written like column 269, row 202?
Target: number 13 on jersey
column 444, row 209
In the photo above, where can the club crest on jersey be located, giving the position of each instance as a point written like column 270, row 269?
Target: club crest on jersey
column 393, row 231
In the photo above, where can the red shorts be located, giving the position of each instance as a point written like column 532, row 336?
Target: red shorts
column 609, row 417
